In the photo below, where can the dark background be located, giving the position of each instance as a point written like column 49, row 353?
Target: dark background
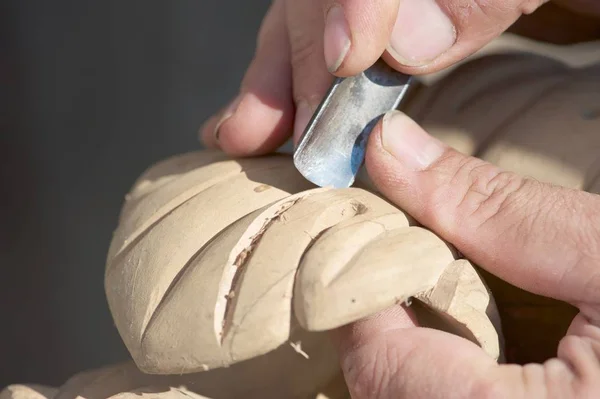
column 92, row 93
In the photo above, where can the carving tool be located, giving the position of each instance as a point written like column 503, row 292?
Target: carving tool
column 332, row 147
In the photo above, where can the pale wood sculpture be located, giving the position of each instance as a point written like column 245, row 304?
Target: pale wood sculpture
column 217, row 260
column 214, row 263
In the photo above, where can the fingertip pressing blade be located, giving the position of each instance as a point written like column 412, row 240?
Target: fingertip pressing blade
column 332, row 148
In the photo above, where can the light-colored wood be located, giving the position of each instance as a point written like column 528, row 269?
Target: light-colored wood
column 461, row 299
column 355, row 271
column 277, row 263
column 164, row 393
column 140, row 273
column 211, row 280
column 243, row 272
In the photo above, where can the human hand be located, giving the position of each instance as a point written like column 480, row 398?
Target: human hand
column 300, row 40
column 542, row 238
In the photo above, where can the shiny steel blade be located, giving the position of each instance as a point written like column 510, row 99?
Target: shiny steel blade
column 332, row 148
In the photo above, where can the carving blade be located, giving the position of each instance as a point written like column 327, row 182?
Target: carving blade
column 332, row 148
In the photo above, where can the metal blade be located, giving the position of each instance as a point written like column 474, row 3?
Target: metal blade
column 332, row 148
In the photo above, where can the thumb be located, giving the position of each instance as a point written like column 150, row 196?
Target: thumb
column 430, row 35
column 539, row 237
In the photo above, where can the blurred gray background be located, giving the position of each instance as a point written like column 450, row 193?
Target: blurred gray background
column 92, row 93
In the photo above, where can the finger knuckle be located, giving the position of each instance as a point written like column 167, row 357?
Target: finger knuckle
column 488, row 192
column 303, row 49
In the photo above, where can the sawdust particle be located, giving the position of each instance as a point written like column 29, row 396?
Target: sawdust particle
column 297, row 346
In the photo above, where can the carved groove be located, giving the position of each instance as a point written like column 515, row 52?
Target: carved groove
column 248, row 322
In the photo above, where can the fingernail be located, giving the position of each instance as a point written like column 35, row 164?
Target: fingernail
column 422, row 33
column 303, row 115
column 406, row 141
column 227, row 113
column 337, row 38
